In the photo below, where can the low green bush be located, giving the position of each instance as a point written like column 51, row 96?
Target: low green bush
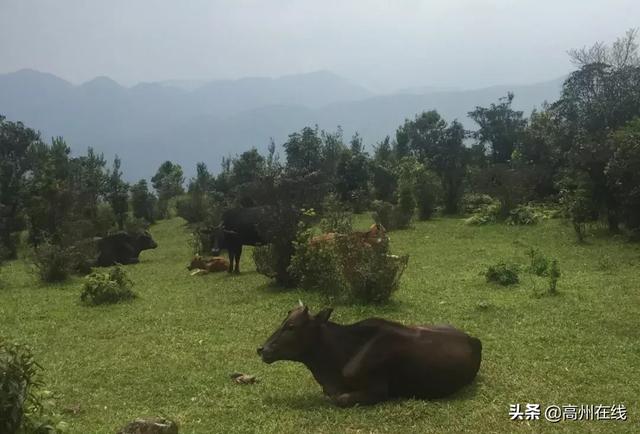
column 347, row 268
column 503, row 273
column 471, row 203
column 24, row 406
column 523, row 215
column 110, row 287
column 485, row 215
column 539, row 264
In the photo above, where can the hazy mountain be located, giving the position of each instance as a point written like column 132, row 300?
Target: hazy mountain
column 151, row 122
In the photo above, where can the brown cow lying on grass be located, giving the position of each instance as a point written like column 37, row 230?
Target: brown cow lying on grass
column 375, row 359
column 208, row 264
column 375, row 234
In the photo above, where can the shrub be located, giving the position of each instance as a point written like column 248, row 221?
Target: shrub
column 264, row 258
column 335, row 218
column 24, row 406
column 426, row 190
column 53, row 262
column 383, row 214
column 347, row 268
column 554, row 276
column 539, row 263
column 18, row 372
column 474, row 202
column 316, row 266
column 110, row 287
column 503, row 273
column 403, row 212
column 523, row 215
column 485, row 215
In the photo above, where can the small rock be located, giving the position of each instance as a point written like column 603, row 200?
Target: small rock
column 73, row 409
column 150, row 426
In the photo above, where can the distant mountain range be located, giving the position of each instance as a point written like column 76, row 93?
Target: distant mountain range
column 188, row 122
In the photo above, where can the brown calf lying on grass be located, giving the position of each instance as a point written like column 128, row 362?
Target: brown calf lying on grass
column 376, row 234
column 208, row 264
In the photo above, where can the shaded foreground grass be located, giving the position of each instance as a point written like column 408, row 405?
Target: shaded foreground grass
column 170, row 352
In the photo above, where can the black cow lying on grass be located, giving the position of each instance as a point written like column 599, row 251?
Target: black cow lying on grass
column 375, row 360
column 123, row 248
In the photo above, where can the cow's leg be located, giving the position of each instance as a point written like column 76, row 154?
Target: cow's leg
column 376, row 391
column 373, row 355
column 232, row 254
column 237, row 270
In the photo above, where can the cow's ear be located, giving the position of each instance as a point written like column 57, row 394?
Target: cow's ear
column 324, row 314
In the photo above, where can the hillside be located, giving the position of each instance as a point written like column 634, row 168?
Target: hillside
column 146, row 124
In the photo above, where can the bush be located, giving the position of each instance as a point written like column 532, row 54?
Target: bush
column 383, row 214
column 334, row 216
column 539, row 263
column 485, row 215
column 110, row 287
column 403, row 212
column 554, row 276
column 474, row 202
column 347, row 268
column 503, row 273
column 523, row 215
column 264, row 258
column 24, row 406
column 426, row 190
column 55, row 262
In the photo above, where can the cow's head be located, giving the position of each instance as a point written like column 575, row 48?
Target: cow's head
column 144, row 241
column 296, row 335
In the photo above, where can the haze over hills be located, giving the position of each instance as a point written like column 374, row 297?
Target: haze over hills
column 188, row 122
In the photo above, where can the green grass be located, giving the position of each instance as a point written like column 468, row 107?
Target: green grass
column 170, row 351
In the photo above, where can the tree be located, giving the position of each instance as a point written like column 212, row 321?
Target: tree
column 353, row 175
column 500, row 127
column 167, row 182
column 623, row 173
column 16, row 141
column 304, row 151
column 384, row 176
column 118, row 193
column 142, row 201
column 441, row 147
column 600, row 97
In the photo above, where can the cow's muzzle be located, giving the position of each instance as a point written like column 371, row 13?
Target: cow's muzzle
column 215, row 252
column 265, row 355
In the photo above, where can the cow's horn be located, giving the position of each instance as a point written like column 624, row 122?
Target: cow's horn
column 300, row 303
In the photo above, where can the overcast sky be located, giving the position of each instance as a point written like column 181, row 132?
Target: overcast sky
column 384, row 45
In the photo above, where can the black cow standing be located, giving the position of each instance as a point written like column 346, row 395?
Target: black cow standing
column 375, row 359
column 239, row 227
column 123, row 248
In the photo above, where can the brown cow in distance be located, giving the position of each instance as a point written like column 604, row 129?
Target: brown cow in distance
column 208, row 264
column 374, row 360
column 374, row 235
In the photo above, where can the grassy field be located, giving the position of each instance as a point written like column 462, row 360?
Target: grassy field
column 170, row 352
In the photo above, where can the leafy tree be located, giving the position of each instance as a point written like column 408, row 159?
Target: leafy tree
column 440, row 146
column 304, row 151
column 118, row 193
column 353, row 175
column 143, row 201
column 16, row 141
column 600, row 97
column 426, row 192
column 623, row 172
column 167, row 182
column 500, row 127
column 384, row 176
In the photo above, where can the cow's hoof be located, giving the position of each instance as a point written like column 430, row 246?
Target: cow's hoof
column 236, row 271
column 344, row 400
